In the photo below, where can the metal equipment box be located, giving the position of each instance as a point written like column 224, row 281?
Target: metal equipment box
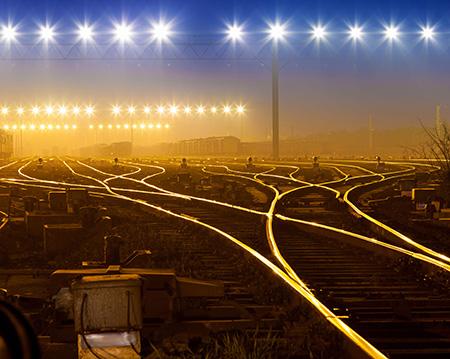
column 57, row 200
column 107, row 303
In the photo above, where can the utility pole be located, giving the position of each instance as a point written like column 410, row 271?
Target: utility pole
column 275, row 119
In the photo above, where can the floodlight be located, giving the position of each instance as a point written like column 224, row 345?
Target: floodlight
column 391, row 33
column 161, row 31
column 8, row 33
column 147, row 110
column 200, row 110
column 62, row 110
column 85, row 33
column 277, row 31
column 173, row 109
column 35, row 110
column 187, row 109
column 240, row 109
column 123, row 32
column 46, row 33
column 76, row 110
column 89, row 110
column 319, row 32
column 356, row 33
column 131, row 110
column 49, row 110
column 116, row 110
column 235, row 32
column 427, row 33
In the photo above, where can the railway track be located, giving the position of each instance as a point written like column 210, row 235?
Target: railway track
column 210, row 214
column 393, row 308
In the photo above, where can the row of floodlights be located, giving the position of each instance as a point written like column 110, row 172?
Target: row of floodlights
column 125, row 32
column 118, row 110
column 50, row 127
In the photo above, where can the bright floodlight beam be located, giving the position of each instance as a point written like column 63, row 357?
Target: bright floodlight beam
column 200, row 110
column 49, row 110
column 240, row 109
column 116, row 110
column 46, row 33
column 85, row 33
column 35, row 110
column 356, row 33
column 8, row 33
column 62, row 110
column 235, row 33
column 277, row 31
column 319, row 32
column 427, row 33
column 160, row 110
column 89, row 110
column 391, row 33
column 173, row 110
column 161, row 32
column 131, row 110
column 76, row 110
column 123, row 33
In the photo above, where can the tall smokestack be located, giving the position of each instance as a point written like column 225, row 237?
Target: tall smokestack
column 371, row 132
column 438, row 121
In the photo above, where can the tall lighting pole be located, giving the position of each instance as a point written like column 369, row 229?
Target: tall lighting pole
column 277, row 32
column 275, row 114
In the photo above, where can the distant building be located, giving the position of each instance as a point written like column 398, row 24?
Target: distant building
column 227, row 145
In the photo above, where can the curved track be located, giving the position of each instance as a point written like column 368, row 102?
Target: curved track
column 211, row 216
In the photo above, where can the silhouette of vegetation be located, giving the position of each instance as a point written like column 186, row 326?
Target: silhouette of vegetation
column 437, row 148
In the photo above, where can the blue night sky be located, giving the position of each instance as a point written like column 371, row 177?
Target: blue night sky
column 334, row 85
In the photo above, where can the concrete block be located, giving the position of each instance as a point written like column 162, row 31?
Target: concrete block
column 423, row 195
column 35, row 221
